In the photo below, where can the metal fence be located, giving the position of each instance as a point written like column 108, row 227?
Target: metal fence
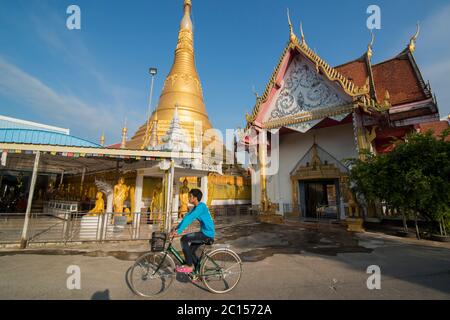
column 77, row 227
column 81, row 227
column 239, row 213
column 326, row 213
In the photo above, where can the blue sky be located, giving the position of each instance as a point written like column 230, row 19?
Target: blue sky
column 90, row 80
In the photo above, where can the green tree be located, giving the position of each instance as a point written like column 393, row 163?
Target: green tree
column 414, row 178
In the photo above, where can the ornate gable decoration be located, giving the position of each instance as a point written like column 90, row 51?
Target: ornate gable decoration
column 359, row 95
column 304, row 91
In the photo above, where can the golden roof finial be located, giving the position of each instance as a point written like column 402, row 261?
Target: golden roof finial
column 412, row 41
column 255, row 93
column 186, row 22
column 124, row 135
column 291, row 31
column 369, row 47
column 302, row 34
column 102, row 139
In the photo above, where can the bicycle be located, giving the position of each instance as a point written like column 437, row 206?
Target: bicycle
column 153, row 272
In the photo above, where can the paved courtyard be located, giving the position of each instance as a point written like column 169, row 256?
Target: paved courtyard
column 290, row 261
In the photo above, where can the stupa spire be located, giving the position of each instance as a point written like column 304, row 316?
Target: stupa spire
column 182, row 86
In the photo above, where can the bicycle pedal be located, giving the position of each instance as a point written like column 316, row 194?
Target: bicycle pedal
column 194, row 278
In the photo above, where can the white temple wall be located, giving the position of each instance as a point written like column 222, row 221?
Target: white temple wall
column 339, row 141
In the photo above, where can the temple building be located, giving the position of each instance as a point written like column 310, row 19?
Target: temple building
column 312, row 117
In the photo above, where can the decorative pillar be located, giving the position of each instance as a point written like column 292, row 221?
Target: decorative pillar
column 169, row 196
column 360, row 134
column 204, row 188
column 262, row 161
column 175, row 199
column 268, row 213
column 138, row 203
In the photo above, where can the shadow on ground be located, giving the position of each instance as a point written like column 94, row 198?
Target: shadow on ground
column 257, row 241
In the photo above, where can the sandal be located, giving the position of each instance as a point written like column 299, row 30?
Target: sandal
column 184, row 269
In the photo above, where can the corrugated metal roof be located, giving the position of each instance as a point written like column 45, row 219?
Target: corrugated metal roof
column 43, row 138
column 12, row 123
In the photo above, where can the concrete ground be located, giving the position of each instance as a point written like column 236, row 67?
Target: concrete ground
column 290, row 261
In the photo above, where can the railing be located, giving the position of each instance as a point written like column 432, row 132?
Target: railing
column 77, row 227
column 82, row 227
column 293, row 211
column 234, row 214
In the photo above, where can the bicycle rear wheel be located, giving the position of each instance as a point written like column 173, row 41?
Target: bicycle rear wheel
column 147, row 279
column 221, row 270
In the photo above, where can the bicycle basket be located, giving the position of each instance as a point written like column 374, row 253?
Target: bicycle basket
column 158, row 241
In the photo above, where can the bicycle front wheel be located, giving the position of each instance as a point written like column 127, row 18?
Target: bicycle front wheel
column 152, row 274
column 221, row 270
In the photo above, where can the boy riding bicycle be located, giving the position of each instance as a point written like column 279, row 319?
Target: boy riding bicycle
column 191, row 241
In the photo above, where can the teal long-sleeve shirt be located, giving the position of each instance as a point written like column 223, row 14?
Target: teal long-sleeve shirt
column 202, row 214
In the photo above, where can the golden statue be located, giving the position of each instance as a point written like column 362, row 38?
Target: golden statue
column 129, row 215
column 121, row 191
column 353, row 208
column 99, row 206
column 60, row 193
column 184, row 199
column 349, row 196
column 69, row 192
column 155, row 207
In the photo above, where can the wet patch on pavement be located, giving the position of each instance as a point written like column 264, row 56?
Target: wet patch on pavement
column 257, row 241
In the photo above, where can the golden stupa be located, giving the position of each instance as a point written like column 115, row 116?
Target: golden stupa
column 182, row 89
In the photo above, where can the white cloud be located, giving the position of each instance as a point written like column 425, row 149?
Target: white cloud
column 69, row 47
column 30, row 91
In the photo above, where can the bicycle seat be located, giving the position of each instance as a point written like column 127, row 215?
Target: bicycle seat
column 208, row 242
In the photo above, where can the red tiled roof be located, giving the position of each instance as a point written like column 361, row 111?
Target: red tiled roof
column 356, row 71
column 436, row 126
column 115, row 146
column 396, row 75
column 399, row 78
